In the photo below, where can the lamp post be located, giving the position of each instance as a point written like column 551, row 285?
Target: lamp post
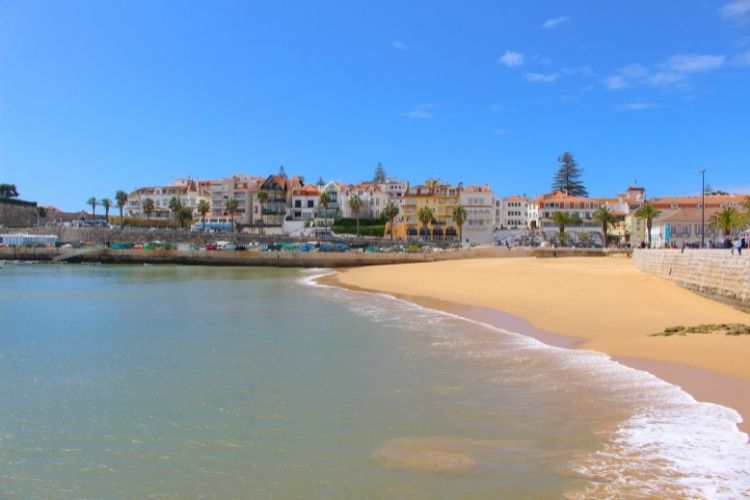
column 703, row 208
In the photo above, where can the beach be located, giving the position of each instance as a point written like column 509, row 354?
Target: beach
column 601, row 304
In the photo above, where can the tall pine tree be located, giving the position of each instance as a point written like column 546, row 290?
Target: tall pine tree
column 568, row 177
column 379, row 173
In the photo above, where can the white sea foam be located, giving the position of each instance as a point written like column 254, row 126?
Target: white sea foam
column 668, row 445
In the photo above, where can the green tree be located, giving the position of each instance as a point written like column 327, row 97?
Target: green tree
column 93, row 202
column 282, row 172
column 604, row 217
column 323, row 201
column 184, row 216
column 41, row 213
column 106, row 203
column 262, row 199
column 203, row 207
column 148, row 207
column 425, row 216
column 355, row 205
column 727, row 221
column 321, row 182
column 563, row 219
column 232, row 205
column 175, row 205
column 648, row 213
column 568, row 177
column 8, row 191
column 390, row 212
column 584, row 238
column 121, row 197
column 459, row 217
column 379, row 175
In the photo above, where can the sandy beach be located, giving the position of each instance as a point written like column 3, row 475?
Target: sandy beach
column 603, row 304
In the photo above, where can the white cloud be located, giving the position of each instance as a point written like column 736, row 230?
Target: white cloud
column 742, row 59
column 555, row 22
column 540, row 77
column 616, row 82
column 634, row 71
column 637, row 106
column 675, row 71
column 423, row 110
column 399, row 45
column 694, row 63
column 512, row 59
column 418, row 113
column 585, row 71
column 665, row 78
column 737, row 9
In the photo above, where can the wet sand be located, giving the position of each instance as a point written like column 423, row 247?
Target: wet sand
column 603, row 304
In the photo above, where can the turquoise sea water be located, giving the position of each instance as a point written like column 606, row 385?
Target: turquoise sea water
column 255, row 383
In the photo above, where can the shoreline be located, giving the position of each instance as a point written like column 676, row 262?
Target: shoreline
column 703, row 384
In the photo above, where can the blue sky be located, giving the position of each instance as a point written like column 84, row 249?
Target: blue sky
column 97, row 96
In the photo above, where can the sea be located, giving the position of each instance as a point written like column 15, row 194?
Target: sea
column 221, row 382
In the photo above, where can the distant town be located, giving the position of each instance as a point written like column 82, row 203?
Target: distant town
column 432, row 211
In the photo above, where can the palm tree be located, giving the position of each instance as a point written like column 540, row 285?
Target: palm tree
column 203, row 207
column 425, row 216
column 648, row 213
column 390, row 212
column 93, row 202
column 122, row 198
column 564, row 219
column 148, row 207
column 184, row 215
column 324, row 201
column 106, row 203
column 262, row 199
column 175, row 205
column 231, row 206
column 355, row 204
column 459, row 216
column 727, row 220
column 604, row 217
column 584, row 238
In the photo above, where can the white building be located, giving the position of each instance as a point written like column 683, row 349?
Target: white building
column 304, row 202
column 479, row 204
column 187, row 191
column 395, row 190
column 240, row 187
column 372, row 196
column 514, row 212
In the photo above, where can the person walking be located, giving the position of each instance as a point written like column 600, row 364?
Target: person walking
column 738, row 245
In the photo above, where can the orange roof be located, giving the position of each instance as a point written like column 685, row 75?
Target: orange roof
column 485, row 188
column 559, row 196
column 692, row 201
column 517, row 197
column 309, row 190
column 686, row 215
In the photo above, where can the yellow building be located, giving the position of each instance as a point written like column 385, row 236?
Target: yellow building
column 442, row 199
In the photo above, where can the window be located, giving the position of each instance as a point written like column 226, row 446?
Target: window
column 310, row 203
column 297, row 203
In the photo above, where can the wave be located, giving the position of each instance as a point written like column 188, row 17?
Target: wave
column 665, row 444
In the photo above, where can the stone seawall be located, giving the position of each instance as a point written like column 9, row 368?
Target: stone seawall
column 716, row 274
column 12, row 215
column 252, row 258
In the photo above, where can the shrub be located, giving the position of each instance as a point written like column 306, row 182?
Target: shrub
column 363, row 230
